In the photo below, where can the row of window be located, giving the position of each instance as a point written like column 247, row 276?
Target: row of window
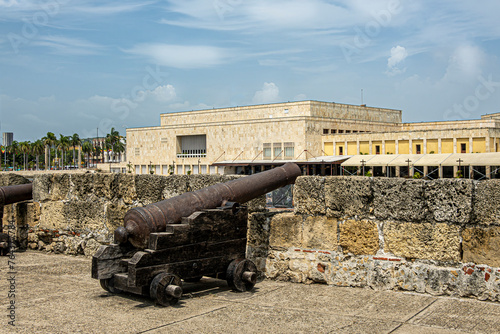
column 278, row 151
column 335, row 131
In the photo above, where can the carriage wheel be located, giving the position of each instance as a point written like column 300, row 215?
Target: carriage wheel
column 108, row 284
column 241, row 275
column 166, row 289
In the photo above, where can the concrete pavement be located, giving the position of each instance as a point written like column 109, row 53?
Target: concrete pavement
column 55, row 294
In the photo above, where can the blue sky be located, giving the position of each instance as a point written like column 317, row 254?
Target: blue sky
column 74, row 66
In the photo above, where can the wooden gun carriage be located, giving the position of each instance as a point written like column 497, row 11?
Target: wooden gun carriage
column 200, row 233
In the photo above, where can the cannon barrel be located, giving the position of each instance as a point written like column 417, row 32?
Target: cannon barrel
column 141, row 221
column 14, row 194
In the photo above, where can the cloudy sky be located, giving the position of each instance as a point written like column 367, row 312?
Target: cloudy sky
column 70, row 66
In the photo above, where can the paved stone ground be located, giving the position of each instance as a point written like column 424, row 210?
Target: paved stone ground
column 55, row 294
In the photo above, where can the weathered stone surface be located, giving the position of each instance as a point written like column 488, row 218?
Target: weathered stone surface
column 11, row 179
column 33, row 214
column 482, row 245
column 199, row 181
column 149, row 188
column 450, row 200
column 320, row 233
column 103, row 185
column 83, row 185
column 60, row 187
column 309, row 195
column 399, row 199
column 52, row 215
column 115, row 212
column 258, row 238
column 438, row 241
column 348, row 196
column 286, row 230
column 123, row 187
column 359, row 237
column 84, row 215
column 486, row 208
column 41, row 187
column 175, row 185
column 91, row 246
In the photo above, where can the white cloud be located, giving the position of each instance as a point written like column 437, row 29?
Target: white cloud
column 181, row 56
column 164, row 93
column 398, row 55
column 268, row 94
column 300, row 97
column 465, row 64
column 68, row 46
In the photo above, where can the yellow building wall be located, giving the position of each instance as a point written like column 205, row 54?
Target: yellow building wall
column 352, row 148
column 461, row 141
column 328, row 148
column 390, row 147
column 447, row 145
column 414, row 144
column 478, row 145
column 432, row 146
column 403, row 147
column 364, row 147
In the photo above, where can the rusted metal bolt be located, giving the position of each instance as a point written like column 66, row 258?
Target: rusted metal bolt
column 174, row 291
column 249, row 276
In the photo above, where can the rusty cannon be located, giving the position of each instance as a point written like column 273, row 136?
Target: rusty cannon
column 196, row 234
column 11, row 195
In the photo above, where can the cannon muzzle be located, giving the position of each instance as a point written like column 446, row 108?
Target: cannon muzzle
column 140, row 222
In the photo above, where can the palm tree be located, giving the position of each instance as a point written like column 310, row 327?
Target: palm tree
column 113, row 137
column 37, row 148
column 119, row 148
column 49, row 140
column 107, row 147
column 63, row 145
column 25, row 147
column 75, row 141
column 87, row 148
column 13, row 148
column 97, row 151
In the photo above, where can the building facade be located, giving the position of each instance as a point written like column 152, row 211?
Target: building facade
column 206, row 141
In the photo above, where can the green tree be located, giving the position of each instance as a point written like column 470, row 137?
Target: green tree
column 75, row 141
column 49, row 141
column 25, row 148
column 87, row 148
column 63, row 145
column 37, row 148
column 13, row 148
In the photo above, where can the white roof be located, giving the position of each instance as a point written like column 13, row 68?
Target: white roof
column 449, row 159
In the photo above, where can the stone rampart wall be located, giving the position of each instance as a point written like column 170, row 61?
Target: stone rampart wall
column 438, row 237
column 76, row 213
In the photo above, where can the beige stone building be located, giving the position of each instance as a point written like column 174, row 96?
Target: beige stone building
column 248, row 139
column 319, row 136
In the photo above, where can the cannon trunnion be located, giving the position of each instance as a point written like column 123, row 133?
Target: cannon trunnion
column 158, row 248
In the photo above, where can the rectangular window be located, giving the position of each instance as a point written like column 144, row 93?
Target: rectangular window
column 137, row 151
column 289, row 150
column 347, row 131
column 267, row 152
column 277, row 151
column 463, row 148
column 143, row 169
column 325, row 131
column 418, row 149
column 377, row 149
column 192, row 146
column 341, row 131
column 334, row 131
column 341, row 150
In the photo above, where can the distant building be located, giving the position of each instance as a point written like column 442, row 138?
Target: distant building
column 249, row 139
column 8, row 138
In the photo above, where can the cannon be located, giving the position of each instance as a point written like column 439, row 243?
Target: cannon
column 10, row 195
column 196, row 234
